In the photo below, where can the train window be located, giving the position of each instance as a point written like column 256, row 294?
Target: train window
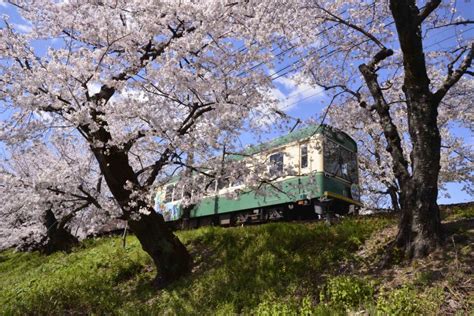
column 339, row 161
column 169, row 193
column 304, row 156
column 211, row 186
column 238, row 180
column 352, row 165
column 276, row 164
column 331, row 157
column 223, row 183
column 178, row 193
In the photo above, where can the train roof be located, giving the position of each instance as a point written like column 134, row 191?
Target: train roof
column 302, row 134
column 296, row 135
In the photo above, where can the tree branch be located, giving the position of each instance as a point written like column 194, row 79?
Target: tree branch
column 337, row 19
column 383, row 110
column 157, row 166
column 63, row 221
column 150, row 53
column 429, row 7
column 193, row 168
column 466, row 22
column 189, row 121
column 454, row 76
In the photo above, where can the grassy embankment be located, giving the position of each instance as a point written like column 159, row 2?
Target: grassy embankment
column 280, row 268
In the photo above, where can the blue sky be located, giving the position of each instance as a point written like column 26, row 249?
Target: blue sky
column 304, row 101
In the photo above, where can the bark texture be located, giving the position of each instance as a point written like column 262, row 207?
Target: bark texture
column 420, row 229
column 168, row 253
column 58, row 238
column 420, row 225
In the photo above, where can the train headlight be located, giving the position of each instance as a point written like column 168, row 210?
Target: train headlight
column 355, row 192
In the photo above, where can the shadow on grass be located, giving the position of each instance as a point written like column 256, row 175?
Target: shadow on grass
column 460, row 226
column 238, row 268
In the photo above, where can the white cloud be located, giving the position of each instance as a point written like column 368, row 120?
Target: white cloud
column 294, row 92
column 93, row 87
column 24, row 28
column 288, row 93
column 3, row 4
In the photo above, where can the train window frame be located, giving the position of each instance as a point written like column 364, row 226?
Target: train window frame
column 304, row 161
column 276, row 165
column 211, row 187
column 237, row 181
column 339, row 172
column 223, row 183
column 169, row 191
column 178, row 193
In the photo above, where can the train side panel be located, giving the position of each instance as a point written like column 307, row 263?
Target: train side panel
column 294, row 189
column 308, row 179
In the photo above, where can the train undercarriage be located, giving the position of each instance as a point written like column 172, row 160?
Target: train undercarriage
column 316, row 209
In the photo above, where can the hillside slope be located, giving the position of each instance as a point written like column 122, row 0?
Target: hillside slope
column 286, row 268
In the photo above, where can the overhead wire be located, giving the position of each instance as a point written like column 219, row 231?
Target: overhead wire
column 320, row 92
column 294, row 65
column 450, row 37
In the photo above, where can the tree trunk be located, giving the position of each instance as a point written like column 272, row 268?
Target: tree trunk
column 393, row 193
column 168, row 253
column 420, row 224
column 57, row 237
column 420, row 228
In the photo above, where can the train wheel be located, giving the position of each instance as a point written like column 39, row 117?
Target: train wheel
column 353, row 210
column 327, row 212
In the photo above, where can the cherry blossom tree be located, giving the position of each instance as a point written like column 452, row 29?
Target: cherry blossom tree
column 52, row 194
column 144, row 84
column 382, row 58
column 377, row 179
column 147, row 86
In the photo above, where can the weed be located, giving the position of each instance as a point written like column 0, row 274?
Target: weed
column 347, row 292
column 424, row 278
column 457, row 213
column 408, row 301
column 277, row 267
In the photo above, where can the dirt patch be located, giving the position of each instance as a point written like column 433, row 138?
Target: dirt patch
column 450, row 268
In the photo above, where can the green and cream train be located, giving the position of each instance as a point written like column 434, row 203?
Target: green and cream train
column 323, row 180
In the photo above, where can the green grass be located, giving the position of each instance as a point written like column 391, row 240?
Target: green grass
column 84, row 280
column 279, row 268
column 458, row 212
column 249, row 266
